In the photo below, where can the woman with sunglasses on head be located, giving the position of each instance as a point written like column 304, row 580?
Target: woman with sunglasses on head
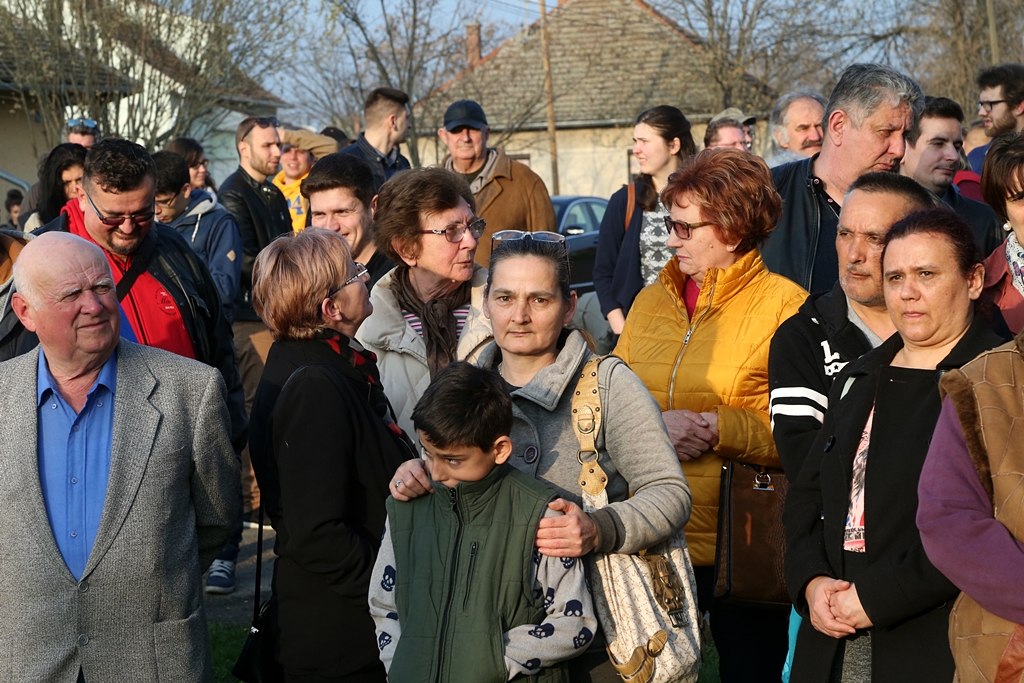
column 428, row 311
column 529, row 304
column 631, row 247
column 324, row 443
column 698, row 338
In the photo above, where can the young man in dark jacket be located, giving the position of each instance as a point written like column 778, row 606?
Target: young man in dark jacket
column 386, row 115
column 206, row 225
column 261, row 213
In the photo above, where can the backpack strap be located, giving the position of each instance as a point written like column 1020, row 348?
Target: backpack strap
column 586, row 422
column 630, row 203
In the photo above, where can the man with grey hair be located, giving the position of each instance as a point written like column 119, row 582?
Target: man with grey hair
column 795, row 126
column 870, row 110
column 120, row 485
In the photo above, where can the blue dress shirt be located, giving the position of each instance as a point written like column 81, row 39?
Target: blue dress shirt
column 74, row 460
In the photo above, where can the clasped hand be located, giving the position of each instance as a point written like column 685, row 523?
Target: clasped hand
column 835, row 607
column 692, row 434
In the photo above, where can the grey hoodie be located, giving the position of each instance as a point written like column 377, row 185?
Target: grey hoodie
column 633, row 446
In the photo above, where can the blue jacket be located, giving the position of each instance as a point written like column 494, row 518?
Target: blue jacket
column 617, row 276
column 212, row 233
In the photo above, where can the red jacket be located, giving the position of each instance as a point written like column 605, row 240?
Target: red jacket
column 148, row 307
column 999, row 285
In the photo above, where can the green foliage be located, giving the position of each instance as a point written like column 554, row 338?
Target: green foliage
column 226, row 642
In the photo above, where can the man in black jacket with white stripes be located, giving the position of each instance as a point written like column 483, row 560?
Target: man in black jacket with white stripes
column 833, row 328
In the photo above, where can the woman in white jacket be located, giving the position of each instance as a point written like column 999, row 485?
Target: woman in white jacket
column 428, row 311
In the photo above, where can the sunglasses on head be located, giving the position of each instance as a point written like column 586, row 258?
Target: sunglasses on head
column 88, row 123
column 262, row 122
column 540, row 236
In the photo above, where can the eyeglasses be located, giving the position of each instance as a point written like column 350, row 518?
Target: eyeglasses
column 456, row 231
column 361, row 272
column 262, row 122
column 166, row 203
column 986, row 105
column 87, row 123
column 137, row 219
column 205, row 162
column 682, row 229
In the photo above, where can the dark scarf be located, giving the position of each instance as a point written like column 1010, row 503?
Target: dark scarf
column 439, row 327
column 361, row 366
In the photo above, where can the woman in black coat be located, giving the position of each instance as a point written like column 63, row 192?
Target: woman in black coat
column 324, row 444
column 875, row 607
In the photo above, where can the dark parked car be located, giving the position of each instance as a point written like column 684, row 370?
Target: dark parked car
column 579, row 219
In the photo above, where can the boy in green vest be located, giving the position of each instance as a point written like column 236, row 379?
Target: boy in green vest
column 459, row 594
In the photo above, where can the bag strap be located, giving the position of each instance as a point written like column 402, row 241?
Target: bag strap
column 140, row 262
column 586, row 422
column 630, row 203
column 259, row 575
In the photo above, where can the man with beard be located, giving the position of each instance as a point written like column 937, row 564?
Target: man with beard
column 1000, row 106
column 261, row 213
column 870, row 110
column 933, row 158
column 795, row 125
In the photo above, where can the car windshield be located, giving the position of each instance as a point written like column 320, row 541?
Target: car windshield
column 560, row 206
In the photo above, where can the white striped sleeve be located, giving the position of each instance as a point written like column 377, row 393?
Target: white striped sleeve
column 798, row 402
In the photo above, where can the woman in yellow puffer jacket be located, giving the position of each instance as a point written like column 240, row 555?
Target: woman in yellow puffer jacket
column 699, row 338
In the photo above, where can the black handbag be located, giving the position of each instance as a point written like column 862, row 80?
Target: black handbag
column 750, row 553
column 256, row 662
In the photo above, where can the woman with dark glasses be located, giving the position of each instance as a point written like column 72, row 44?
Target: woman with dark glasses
column 529, row 303
column 698, row 338
column 428, row 311
column 324, row 444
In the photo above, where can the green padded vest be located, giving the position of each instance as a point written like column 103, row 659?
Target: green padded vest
column 464, row 559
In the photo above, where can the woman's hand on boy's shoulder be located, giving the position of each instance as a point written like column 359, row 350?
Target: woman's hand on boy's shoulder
column 571, row 534
column 410, row 481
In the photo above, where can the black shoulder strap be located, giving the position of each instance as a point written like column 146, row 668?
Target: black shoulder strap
column 259, row 571
column 140, row 262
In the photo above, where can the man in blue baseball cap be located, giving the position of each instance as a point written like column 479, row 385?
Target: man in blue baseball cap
column 509, row 196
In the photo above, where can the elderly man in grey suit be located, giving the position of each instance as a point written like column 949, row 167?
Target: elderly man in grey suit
column 118, row 486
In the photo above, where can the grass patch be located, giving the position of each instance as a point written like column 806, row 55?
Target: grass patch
column 226, row 642
column 709, row 667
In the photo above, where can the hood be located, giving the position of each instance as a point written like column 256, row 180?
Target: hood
column 199, row 202
column 548, row 385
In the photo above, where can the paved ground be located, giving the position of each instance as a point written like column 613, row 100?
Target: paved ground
column 236, row 608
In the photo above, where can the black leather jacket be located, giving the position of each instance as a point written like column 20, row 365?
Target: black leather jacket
column 261, row 212
column 791, row 248
column 185, row 277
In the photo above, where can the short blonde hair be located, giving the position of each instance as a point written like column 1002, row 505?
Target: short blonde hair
column 293, row 275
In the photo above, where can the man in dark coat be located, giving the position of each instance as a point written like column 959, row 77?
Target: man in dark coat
column 933, row 158
column 387, row 115
column 863, row 132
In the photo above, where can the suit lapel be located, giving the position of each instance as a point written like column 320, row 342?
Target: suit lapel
column 19, row 439
column 136, row 421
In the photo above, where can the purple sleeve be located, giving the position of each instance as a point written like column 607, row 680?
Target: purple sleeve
column 960, row 534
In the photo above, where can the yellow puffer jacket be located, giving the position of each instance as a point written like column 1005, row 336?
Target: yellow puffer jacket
column 719, row 362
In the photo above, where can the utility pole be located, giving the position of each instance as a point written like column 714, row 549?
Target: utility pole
column 549, row 93
column 993, row 38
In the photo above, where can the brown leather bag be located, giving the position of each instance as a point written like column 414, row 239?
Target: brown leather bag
column 750, row 551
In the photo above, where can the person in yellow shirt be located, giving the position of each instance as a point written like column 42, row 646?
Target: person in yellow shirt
column 299, row 151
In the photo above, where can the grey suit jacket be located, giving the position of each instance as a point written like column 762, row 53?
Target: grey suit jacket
column 172, row 498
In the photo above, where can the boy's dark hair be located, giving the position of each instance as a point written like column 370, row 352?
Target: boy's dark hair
column 14, row 198
column 171, row 172
column 464, row 406
column 118, row 165
column 340, row 170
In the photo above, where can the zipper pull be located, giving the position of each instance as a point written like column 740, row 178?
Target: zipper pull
column 469, row 575
column 452, row 497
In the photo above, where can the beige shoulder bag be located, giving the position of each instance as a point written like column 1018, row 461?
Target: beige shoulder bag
column 647, row 601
